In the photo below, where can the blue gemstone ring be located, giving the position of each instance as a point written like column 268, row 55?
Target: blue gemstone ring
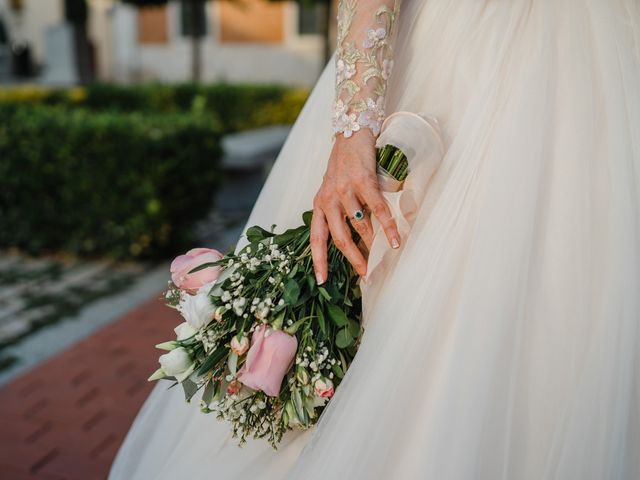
column 358, row 215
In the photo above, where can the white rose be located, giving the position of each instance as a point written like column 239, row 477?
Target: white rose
column 176, row 362
column 184, row 331
column 197, row 309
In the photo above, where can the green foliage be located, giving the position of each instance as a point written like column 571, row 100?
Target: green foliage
column 122, row 171
column 232, row 107
column 103, row 183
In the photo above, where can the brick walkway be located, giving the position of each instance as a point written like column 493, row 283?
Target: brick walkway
column 66, row 418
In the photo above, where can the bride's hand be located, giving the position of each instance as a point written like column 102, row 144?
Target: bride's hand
column 349, row 184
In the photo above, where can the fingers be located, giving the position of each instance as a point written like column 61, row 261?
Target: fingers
column 318, row 241
column 342, row 239
column 375, row 200
column 363, row 225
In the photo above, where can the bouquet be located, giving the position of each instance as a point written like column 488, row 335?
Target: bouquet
column 264, row 343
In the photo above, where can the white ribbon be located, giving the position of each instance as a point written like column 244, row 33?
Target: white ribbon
column 418, row 136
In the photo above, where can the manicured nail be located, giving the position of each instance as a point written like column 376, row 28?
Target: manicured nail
column 319, row 279
column 395, row 243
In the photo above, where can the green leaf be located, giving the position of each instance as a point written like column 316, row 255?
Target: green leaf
column 190, row 389
column 321, row 322
column 324, row 293
column 207, row 265
column 291, row 292
column 337, row 370
column 304, row 298
column 337, row 315
column 344, row 338
column 255, row 234
column 212, row 360
column 354, row 328
column 209, row 392
column 332, row 290
column 232, row 363
column 293, row 271
column 311, row 281
column 289, row 235
column 306, row 217
column 299, row 406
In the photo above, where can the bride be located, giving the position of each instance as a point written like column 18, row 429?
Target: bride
column 504, row 342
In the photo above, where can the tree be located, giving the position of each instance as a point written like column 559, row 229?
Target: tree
column 325, row 27
column 193, row 11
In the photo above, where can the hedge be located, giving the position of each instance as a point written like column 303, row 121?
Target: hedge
column 233, row 107
column 104, row 183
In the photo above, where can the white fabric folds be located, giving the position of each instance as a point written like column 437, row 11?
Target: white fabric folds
column 505, row 341
column 418, row 136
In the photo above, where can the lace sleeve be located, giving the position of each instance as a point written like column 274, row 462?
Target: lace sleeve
column 366, row 29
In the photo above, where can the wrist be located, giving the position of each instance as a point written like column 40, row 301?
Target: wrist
column 364, row 137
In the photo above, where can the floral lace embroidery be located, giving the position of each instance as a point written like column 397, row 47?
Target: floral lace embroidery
column 363, row 66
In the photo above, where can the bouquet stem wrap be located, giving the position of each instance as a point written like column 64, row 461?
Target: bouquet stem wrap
column 419, row 138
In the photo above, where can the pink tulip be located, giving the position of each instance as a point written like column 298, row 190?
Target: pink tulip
column 268, row 360
column 183, row 264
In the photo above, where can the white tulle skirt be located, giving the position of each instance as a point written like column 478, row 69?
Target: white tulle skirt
column 505, row 341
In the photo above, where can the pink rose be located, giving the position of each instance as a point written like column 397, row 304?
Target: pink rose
column 268, row 360
column 183, row 264
column 324, row 387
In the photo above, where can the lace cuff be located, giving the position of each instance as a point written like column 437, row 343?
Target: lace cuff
column 364, row 60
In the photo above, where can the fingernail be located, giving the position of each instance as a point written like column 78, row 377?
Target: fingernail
column 395, row 243
column 319, row 279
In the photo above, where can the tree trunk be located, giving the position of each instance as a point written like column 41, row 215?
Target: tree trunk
column 196, row 44
column 327, row 32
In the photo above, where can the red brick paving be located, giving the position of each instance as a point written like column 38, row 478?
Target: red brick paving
column 66, row 418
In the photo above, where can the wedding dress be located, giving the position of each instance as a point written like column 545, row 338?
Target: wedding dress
column 504, row 342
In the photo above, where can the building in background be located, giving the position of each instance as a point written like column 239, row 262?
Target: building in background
column 242, row 40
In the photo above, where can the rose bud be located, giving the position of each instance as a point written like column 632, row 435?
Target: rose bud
column 324, row 387
column 234, row 387
column 240, row 346
column 302, row 375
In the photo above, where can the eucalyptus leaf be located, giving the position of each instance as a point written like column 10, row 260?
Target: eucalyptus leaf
column 337, row 315
column 190, row 389
column 344, row 338
column 299, row 406
column 354, row 328
column 208, row 392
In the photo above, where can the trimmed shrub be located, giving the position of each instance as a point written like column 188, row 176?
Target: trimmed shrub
column 233, row 107
column 104, row 183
